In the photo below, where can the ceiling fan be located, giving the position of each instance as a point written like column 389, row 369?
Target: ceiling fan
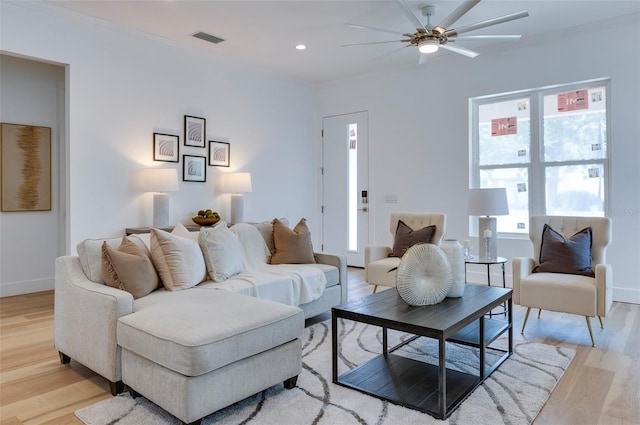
column 429, row 38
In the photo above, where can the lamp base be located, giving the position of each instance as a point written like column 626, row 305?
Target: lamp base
column 160, row 210
column 487, row 223
column 237, row 208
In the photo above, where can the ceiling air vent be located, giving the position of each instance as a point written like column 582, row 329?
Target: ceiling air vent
column 208, row 37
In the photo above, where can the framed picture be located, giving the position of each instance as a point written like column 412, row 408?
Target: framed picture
column 166, row 147
column 219, row 153
column 25, row 181
column 194, row 168
column 195, row 130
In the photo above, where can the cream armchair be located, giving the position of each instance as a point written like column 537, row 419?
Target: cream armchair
column 377, row 262
column 568, row 293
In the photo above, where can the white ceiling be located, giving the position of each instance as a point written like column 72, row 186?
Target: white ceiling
column 264, row 32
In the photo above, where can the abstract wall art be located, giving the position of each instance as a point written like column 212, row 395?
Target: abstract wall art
column 194, row 168
column 219, row 153
column 25, row 158
column 195, row 131
column 166, row 147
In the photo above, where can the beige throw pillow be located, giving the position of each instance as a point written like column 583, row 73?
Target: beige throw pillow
column 223, row 253
column 128, row 268
column 292, row 246
column 178, row 260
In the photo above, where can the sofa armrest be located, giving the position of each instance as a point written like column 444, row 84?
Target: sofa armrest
column 604, row 288
column 374, row 253
column 85, row 318
column 339, row 261
column 522, row 267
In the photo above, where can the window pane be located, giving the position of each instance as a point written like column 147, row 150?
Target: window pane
column 352, row 145
column 504, row 132
column 575, row 125
column 575, row 190
column 516, row 180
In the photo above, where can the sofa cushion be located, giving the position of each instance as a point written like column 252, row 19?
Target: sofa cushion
column 90, row 256
column 406, row 237
column 292, row 246
column 178, row 260
column 197, row 331
column 223, row 253
column 128, row 268
column 379, row 271
column 266, row 230
column 559, row 255
column 560, row 292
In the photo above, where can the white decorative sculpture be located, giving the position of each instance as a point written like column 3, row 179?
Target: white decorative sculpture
column 424, row 275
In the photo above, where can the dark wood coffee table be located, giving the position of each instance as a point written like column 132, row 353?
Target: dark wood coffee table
column 433, row 389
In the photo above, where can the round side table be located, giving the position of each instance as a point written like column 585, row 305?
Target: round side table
column 474, row 259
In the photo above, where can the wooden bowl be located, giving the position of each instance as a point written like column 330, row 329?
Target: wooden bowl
column 203, row 221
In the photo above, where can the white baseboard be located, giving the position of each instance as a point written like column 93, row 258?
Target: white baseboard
column 626, row 295
column 10, row 289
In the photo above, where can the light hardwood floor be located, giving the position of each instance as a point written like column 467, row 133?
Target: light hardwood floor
column 601, row 386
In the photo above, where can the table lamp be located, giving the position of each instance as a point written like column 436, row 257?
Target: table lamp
column 485, row 203
column 236, row 184
column 160, row 180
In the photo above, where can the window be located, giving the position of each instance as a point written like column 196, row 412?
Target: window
column 549, row 147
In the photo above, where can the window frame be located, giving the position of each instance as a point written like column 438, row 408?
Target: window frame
column 536, row 166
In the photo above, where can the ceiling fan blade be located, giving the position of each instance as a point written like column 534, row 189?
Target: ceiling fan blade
column 389, row 53
column 374, row 29
column 485, row 37
column 461, row 50
column 372, row 42
column 412, row 16
column 455, row 15
column 487, row 23
column 423, row 58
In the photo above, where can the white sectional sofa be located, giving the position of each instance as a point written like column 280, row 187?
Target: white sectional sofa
column 201, row 339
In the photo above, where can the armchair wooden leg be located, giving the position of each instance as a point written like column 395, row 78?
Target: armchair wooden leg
column 593, row 342
column 526, row 317
column 601, row 324
column 539, row 311
column 375, row 288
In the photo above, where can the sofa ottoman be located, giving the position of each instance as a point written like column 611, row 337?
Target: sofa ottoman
column 204, row 350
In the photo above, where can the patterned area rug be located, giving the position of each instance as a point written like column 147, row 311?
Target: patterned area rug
column 513, row 394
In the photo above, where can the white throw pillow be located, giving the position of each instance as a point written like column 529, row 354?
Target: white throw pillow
column 256, row 253
column 223, row 254
column 180, row 230
column 178, row 260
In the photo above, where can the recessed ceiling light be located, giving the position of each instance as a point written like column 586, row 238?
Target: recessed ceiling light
column 300, row 46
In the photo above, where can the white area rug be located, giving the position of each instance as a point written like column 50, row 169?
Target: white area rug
column 513, row 394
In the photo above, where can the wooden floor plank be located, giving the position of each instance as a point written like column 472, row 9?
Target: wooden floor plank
column 601, row 386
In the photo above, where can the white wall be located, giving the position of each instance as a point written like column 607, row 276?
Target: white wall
column 33, row 94
column 125, row 85
column 419, row 138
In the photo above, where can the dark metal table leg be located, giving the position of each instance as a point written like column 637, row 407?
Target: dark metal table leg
column 442, row 379
column 334, row 347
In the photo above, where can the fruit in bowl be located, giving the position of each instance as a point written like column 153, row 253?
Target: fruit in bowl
column 206, row 218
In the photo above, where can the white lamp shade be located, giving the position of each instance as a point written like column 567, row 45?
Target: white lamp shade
column 160, row 180
column 236, row 182
column 488, row 202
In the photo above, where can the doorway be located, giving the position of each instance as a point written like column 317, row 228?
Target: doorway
column 345, row 181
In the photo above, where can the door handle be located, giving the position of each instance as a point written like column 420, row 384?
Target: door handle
column 363, row 209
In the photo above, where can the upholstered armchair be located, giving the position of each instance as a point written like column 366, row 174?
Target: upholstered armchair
column 559, row 283
column 377, row 261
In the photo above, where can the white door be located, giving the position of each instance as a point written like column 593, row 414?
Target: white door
column 345, row 180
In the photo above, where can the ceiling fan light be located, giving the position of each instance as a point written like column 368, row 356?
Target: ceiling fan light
column 428, row 46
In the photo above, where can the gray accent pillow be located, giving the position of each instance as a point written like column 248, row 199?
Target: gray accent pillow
column 406, row 237
column 558, row 255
